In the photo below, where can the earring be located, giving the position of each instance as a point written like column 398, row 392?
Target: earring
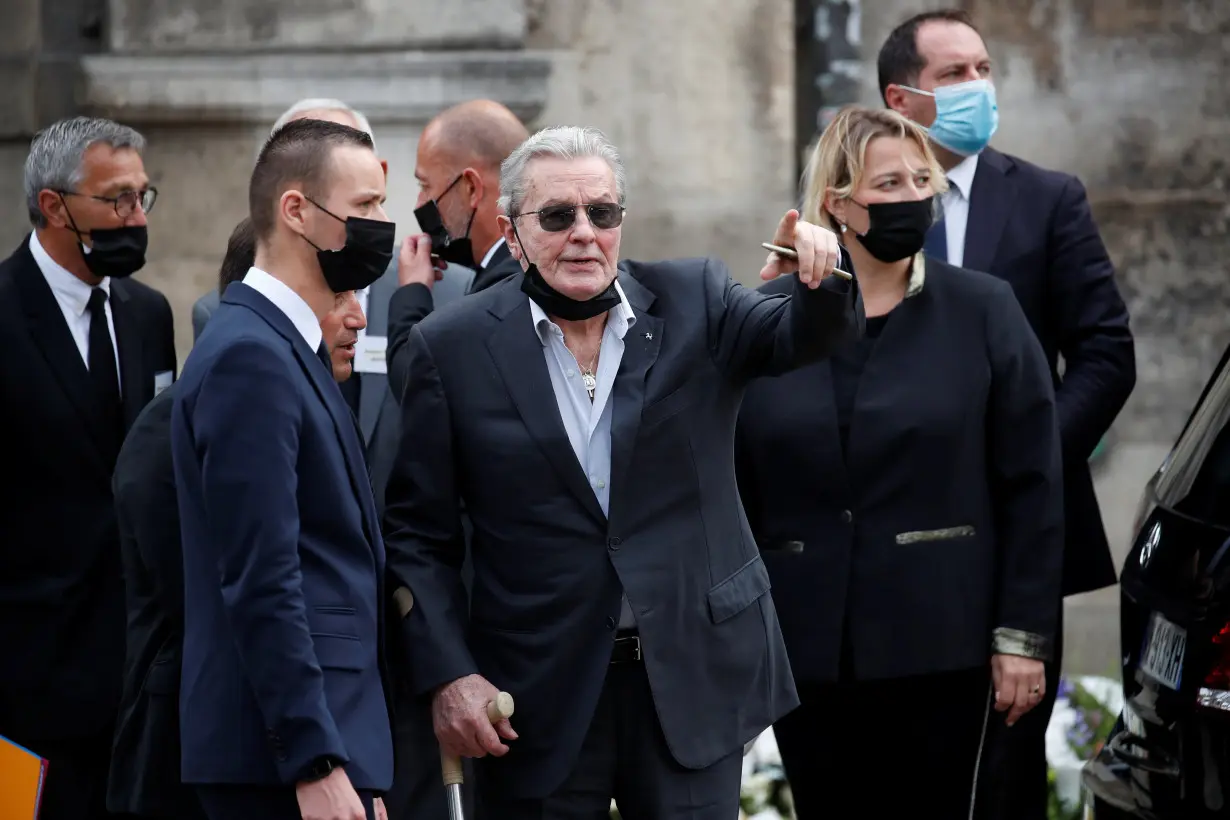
column 843, row 227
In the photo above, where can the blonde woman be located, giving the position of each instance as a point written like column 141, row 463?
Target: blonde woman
column 915, row 543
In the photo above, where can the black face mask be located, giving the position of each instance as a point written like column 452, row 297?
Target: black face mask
column 564, row 307
column 117, row 252
column 897, row 229
column 114, row 252
column 363, row 259
column 456, row 251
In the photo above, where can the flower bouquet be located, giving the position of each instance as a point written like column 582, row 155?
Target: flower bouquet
column 1085, row 711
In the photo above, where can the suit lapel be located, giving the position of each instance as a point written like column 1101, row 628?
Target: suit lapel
column 344, row 424
column 990, row 204
column 348, row 435
column 136, row 384
column 50, row 333
column 518, row 355
column 642, row 343
column 373, row 387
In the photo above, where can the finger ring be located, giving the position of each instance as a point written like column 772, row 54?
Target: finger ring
column 1036, row 690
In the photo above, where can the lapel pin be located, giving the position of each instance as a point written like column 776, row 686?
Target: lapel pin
column 649, row 337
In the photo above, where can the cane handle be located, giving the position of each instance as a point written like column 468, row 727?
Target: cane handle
column 500, row 708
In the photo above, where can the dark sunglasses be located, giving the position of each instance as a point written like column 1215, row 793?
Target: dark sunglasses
column 555, row 218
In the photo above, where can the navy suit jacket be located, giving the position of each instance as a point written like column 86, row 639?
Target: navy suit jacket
column 283, row 561
column 1034, row 228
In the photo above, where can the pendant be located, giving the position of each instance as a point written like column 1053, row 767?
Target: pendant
column 590, row 382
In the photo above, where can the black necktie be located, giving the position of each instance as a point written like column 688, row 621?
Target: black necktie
column 322, row 353
column 101, row 361
column 936, row 244
column 350, row 391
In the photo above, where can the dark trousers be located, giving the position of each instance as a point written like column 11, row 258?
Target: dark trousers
column 418, row 790
column 625, row 757
column 76, row 786
column 1014, row 775
column 917, row 737
column 259, row 803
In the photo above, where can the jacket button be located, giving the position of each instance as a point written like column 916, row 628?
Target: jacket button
column 846, row 516
column 610, row 622
column 613, row 543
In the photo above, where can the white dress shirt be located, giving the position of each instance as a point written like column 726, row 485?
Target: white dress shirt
column 499, row 243
column 73, row 297
column 290, row 303
column 956, row 208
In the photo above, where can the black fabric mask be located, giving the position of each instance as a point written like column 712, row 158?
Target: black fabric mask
column 456, row 251
column 363, row 259
column 117, row 252
column 557, row 304
column 897, row 229
column 564, row 307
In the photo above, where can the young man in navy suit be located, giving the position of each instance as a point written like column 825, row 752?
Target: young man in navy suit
column 283, row 703
column 1032, row 227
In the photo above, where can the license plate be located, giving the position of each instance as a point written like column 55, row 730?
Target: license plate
column 1162, row 656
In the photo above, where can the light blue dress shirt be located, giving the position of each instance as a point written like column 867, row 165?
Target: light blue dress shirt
column 588, row 423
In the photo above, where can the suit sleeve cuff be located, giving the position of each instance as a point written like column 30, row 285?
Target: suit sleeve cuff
column 1005, row 641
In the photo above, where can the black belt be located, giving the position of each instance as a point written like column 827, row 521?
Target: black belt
column 627, row 649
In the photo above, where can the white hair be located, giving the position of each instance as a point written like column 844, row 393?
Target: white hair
column 562, row 142
column 56, row 154
column 324, row 104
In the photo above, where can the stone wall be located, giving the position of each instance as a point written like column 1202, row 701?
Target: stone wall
column 700, row 104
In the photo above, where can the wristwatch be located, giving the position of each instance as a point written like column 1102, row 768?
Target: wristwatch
column 319, row 769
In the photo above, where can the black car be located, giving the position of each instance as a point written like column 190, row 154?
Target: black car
column 1168, row 755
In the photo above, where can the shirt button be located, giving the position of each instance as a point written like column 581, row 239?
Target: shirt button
column 847, row 516
column 571, row 373
column 613, row 543
column 601, row 484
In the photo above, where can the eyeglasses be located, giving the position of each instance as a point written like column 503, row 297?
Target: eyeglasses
column 555, row 218
column 126, row 202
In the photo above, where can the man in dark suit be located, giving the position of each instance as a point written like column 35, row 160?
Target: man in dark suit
column 88, row 347
column 367, row 393
column 283, row 705
column 585, row 411
column 458, row 171
column 1032, row 227
column 145, row 761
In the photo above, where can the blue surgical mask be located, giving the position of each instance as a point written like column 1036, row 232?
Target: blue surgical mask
column 966, row 116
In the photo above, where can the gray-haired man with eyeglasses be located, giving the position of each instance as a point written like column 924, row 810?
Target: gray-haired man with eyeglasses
column 87, row 348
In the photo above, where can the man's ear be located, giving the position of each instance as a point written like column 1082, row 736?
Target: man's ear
column 53, row 208
column 510, row 236
column 291, row 209
column 475, row 180
column 897, row 98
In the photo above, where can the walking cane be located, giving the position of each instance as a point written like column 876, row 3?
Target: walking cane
column 450, row 765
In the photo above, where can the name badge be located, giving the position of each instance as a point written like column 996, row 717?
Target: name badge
column 369, row 354
column 163, row 380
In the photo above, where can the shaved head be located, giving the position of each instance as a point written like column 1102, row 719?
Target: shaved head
column 458, row 167
column 475, row 133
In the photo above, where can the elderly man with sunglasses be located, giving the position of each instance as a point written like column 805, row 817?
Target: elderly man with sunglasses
column 585, row 412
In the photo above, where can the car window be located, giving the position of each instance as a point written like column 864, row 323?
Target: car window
column 1195, row 480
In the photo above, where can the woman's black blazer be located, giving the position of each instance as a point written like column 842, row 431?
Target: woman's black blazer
column 943, row 525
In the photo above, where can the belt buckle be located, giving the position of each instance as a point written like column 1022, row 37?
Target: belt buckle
column 635, row 642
